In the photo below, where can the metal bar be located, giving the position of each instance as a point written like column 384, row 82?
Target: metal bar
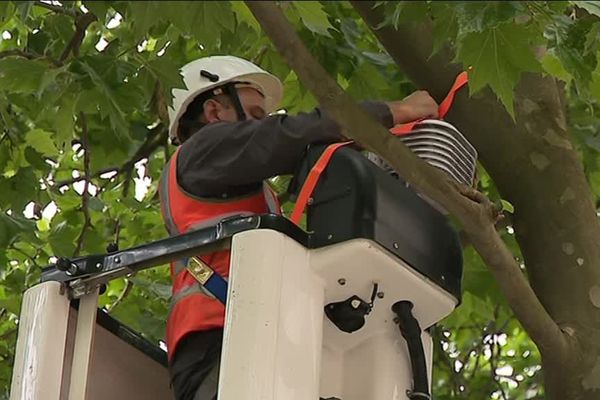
column 85, row 274
column 83, row 349
column 81, row 287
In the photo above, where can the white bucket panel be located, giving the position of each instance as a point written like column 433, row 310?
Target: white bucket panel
column 38, row 367
column 274, row 312
column 48, row 328
column 276, row 329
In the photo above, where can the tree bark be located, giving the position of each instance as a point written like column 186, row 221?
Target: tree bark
column 536, row 167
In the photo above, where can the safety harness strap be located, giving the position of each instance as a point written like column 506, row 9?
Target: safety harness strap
column 460, row 81
column 312, row 179
column 315, row 173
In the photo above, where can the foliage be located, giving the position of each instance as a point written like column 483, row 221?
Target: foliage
column 83, row 138
column 498, row 41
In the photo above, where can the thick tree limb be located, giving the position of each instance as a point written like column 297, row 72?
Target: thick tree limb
column 547, row 224
column 475, row 217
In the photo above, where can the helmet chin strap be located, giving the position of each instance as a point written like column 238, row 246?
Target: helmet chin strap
column 230, row 90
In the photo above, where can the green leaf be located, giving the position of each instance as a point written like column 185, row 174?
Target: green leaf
column 63, row 238
column 20, row 75
column 593, row 7
column 566, row 42
column 552, row 65
column 168, row 74
column 592, row 39
column 313, row 16
column 41, row 141
column 595, row 83
column 594, row 179
column 144, row 14
column 498, row 56
column 478, row 16
column 107, row 102
column 6, row 10
column 204, row 20
column 64, row 118
column 243, row 14
column 12, row 227
column 98, row 8
column 402, row 12
column 445, row 24
column 96, row 204
column 24, row 8
column 367, row 82
column 507, row 206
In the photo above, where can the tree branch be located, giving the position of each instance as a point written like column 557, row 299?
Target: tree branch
column 85, row 196
column 97, row 174
column 31, row 258
column 8, row 333
column 58, row 9
column 122, row 296
column 81, row 24
column 156, row 137
column 28, row 55
column 473, row 212
column 154, row 140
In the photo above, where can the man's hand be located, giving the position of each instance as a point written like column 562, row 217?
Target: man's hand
column 416, row 106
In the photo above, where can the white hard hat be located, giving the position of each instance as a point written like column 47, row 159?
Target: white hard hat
column 219, row 70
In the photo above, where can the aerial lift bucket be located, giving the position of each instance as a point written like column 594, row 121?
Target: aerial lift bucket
column 310, row 314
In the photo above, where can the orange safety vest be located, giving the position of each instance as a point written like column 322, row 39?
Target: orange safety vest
column 193, row 308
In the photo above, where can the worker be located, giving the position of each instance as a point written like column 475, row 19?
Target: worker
column 231, row 139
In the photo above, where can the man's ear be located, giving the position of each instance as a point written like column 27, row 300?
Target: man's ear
column 212, row 109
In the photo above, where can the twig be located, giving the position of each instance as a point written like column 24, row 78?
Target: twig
column 455, row 377
column 476, row 215
column 117, row 231
column 122, row 295
column 127, row 180
column 81, row 24
column 259, row 55
column 152, row 142
column 96, row 174
column 156, row 137
column 495, row 351
column 58, row 9
column 8, row 334
column 28, row 55
column 158, row 103
column 85, row 196
column 18, row 250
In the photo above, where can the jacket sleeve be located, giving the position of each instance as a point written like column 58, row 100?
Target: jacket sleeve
column 227, row 157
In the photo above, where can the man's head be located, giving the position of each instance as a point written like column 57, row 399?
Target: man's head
column 221, row 88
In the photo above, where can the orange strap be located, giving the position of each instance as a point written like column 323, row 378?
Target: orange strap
column 312, row 179
column 399, row 130
column 460, row 81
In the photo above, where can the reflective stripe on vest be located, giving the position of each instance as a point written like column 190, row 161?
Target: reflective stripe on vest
column 183, row 212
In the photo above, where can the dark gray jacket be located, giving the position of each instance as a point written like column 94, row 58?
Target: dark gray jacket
column 227, row 159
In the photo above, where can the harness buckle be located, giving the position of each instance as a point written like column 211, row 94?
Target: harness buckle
column 199, row 270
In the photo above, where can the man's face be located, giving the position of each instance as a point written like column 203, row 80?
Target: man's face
column 252, row 102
